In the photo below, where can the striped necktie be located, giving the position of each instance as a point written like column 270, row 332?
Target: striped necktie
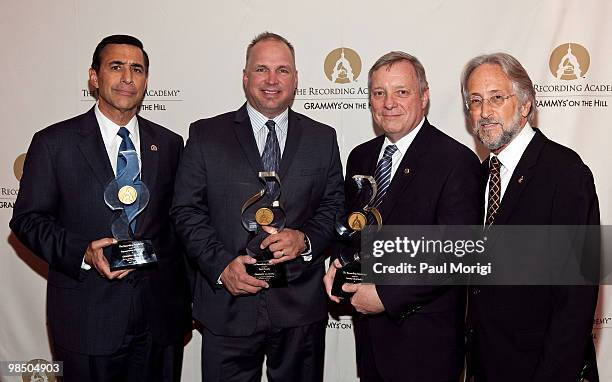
column 382, row 175
column 494, row 190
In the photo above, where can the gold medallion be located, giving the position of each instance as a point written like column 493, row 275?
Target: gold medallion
column 264, row 216
column 127, row 195
column 357, row 221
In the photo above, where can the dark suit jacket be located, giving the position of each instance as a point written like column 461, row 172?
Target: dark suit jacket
column 420, row 335
column 218, row 173
column 60, row 210
column 537, row 333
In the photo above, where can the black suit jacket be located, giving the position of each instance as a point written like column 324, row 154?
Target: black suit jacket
column 537, row 333
column 60, row 209
column 218, row 173
column 420, row 335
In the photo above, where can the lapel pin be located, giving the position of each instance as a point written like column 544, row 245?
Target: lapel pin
column 520, row 180
column 153, row 147
column 406, row 171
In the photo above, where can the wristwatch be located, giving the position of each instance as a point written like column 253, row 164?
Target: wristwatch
column 307, row 253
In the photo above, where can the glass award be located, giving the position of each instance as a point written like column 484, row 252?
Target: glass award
column 263, row 209
column 348, row 229
column 128, row 196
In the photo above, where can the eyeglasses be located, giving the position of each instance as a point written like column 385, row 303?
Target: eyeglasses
column 498, row 100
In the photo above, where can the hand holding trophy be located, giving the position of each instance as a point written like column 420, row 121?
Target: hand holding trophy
column 263, row 209
column 349, row 228
column 129, row 196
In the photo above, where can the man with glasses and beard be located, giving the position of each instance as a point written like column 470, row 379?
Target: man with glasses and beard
column 526, row 333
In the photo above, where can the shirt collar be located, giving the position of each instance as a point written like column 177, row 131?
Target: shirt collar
column 404, row 142
column 511, row 154
column 258, row 120
column 109, row 129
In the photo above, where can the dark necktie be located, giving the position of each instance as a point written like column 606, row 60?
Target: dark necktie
column 271, row 155
column 382, row 174
column 494, row 190
column 127, row 145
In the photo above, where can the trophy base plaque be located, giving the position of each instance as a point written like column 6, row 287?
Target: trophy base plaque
column 274, row 275
column 129, row 254
column 349, row 274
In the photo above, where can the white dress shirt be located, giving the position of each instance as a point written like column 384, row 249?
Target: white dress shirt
column 403, row 144
column 509, row 158
column 112, row 141
column 260, row 130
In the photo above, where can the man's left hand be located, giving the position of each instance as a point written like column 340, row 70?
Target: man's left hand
column 365, row 298
column 286, row 244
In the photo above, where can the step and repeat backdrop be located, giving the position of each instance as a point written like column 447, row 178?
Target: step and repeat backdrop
column 197, row 53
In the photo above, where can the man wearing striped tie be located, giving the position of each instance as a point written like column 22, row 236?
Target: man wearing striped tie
column 527, row 332
column 411, row 333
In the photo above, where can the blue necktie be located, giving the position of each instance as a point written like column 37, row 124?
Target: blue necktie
column 128, row 174
column 126, row 144
column 271, row 155
column 382, row 174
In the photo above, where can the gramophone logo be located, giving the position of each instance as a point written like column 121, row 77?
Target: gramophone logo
column 569, row 61
column 18, row 166
column 342, row 66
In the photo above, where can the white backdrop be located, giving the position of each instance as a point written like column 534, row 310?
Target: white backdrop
column 197, row 54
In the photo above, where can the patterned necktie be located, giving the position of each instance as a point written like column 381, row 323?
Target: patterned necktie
column 271, row 155
column 127, row 145
column 494, row 190
column 382, row 175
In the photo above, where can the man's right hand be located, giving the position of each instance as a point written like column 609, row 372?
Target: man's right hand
column 328, row 279
column 237, row 281
column 94, row 256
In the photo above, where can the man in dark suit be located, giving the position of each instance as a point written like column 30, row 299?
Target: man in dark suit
column 244, row 320
column 125, row 325
column 527, row 333
column 411, row 333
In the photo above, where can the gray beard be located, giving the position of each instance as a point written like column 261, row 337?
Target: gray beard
column 506, row 136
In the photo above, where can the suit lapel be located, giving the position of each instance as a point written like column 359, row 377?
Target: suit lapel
column 370, row 163
column 485, row 183
column 92, row 148
column 294, row 134
column 246, row 139
column 149, row 157
column 149, row 147
column 408, row 168
column 520, row 178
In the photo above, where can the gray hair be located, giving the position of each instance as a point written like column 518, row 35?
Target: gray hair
column 391, row 58
column 521, row 83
